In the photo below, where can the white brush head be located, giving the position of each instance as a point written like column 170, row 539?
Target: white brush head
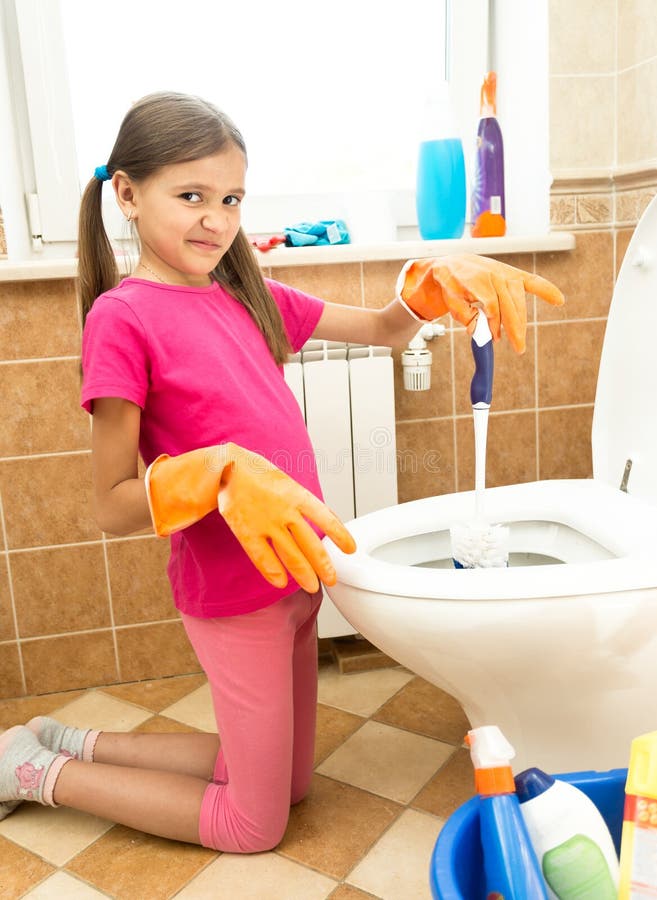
column 478, row 545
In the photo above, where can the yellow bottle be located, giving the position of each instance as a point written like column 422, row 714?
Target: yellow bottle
column 638, row 858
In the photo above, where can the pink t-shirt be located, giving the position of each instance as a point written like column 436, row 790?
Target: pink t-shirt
column 195, row 362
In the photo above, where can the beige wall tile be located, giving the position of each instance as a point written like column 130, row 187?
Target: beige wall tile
column 581, row 122
column 155, row 651
column 59, row 590
column 627, row 206
column 7, row 629
column 637, row 130
column 69, row 662
column 623, row 238
column 565, row 443
column 582, row 36
column 637, row 32
column 568, row 361
column 339, row 283
column 138, row 580
column 510, row 451
column 39, row 318
column 379, row 282
column 11, row 681
column 32, row 422
column 562, row 210
column 585, row 276
column 594, row 209
column 48, row 500
column 425, row 459
column 513, row 377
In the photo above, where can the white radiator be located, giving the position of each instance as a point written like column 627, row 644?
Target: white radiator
column 346, row 393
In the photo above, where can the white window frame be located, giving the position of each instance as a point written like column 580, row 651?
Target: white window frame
column 39, row 190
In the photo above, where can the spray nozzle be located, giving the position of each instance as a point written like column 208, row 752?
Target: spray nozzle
column 489, row 748
column 491, row 756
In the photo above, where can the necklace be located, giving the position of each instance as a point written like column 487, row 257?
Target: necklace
column 144, row 266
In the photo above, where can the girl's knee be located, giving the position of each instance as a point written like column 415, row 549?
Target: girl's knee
column 233, row 832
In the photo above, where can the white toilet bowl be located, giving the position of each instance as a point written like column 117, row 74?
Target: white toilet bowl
column 560, row 649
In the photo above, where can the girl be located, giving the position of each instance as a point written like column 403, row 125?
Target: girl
column 182, row 364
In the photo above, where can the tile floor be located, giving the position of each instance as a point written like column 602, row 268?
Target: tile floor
column 390, row 767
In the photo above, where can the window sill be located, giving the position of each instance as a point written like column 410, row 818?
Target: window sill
column 42, row 269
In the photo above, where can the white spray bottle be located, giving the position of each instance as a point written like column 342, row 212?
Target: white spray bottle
column 571, row 839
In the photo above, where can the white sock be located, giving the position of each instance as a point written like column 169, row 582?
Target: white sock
column 77, row 743
column 28, row 771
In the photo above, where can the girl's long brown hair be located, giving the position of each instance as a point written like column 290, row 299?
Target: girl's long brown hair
column 159, row 130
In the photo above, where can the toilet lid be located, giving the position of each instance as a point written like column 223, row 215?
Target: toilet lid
column 625, row 414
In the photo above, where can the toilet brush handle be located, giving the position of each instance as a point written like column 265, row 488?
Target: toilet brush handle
column 481, row 386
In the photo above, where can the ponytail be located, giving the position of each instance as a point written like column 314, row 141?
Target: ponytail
column 97, row 269
column 238, row 271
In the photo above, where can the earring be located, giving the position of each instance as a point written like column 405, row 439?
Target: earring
column 129, row 219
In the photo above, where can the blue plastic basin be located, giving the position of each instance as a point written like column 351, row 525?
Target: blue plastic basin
column 457, row 868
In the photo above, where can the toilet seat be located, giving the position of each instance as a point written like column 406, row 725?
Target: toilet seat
column 625, row 527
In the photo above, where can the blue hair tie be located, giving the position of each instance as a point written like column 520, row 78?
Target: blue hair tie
column 101, row 173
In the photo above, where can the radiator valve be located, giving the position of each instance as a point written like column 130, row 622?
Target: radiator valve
column 416, row 360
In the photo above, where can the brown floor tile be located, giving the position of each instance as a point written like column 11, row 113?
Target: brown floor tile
column 347, row 892
column 134, row 866
column 333, row 727
column 424, row 708
column 335, row 826
column 19, row 870
column 21, row 710
column 157, row 694
column 163, row 725
column 449, row 788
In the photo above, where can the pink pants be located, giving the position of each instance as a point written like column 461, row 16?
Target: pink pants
column 262, row 670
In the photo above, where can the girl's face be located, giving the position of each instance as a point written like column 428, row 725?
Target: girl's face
column 188, row 215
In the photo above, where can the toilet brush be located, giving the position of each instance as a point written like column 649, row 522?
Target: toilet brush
column 477, row 544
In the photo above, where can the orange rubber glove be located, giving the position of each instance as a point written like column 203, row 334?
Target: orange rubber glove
column 460, row 285
column 260, row 504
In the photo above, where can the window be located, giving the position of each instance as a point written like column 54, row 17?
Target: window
column 329, row 98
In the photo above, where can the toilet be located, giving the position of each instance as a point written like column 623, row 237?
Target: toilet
column 559, row 649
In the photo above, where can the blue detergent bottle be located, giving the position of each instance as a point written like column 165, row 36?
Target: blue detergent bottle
column 440, row 195
column 512, row 871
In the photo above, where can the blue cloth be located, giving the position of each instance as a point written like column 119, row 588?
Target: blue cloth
column 101, row 173
column 326, row 231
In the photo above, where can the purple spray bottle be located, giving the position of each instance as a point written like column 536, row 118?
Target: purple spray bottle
column 488, row 213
